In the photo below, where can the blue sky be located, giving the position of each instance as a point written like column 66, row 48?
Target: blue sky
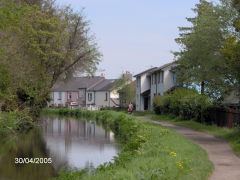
column 134, row 35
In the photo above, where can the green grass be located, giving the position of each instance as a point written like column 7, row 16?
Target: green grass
column 8, row 124
column 148, row 152
column 12, row 123
column 231, row 135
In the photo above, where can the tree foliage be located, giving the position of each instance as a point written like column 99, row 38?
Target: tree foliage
column 126, row 90
column 231, row 47
column 41, row 43
column 200, row 60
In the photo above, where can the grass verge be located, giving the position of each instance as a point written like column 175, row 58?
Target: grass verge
column 148, row 151
column 231, row 135
column 8, row 124
column 12, row 123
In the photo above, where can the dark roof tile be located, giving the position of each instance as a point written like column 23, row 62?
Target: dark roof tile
column 76, row 83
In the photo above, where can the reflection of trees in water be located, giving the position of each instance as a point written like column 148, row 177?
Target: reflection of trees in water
column 33, row 145
column 30, row 145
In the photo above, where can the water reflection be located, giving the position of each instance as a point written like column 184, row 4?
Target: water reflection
column 69, row 142
column 25, row 146
column 78, row 144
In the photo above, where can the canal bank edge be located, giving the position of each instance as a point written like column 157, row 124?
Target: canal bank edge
column 148, row 151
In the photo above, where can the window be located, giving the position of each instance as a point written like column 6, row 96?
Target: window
column 152, row 79
column 174, row 77
column 52, row 95
column 89, row 96
column 158, row 77
column 106, row 96
column 69, row 95
column 155, row 78
column 162, row 77
column 138, row 81
column 59, row 95
column 81, row 93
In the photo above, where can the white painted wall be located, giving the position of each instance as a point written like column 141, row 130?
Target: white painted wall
column 114, row 94
column 168, row 83
column 138, row 93
column 168, row 78
column 102, row 101
column 145, row 84
column 90, row 101
column 157, row 88
column 101, row 98
column 58, row 99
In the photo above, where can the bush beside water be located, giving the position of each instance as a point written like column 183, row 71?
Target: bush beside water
column 12, row 123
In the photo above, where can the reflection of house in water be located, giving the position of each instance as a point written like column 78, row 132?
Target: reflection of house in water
column 75, row 128
column 79, row 141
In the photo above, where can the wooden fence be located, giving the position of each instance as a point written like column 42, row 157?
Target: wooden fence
column 229, row 117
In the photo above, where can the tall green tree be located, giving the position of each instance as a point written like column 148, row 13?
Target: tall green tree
column 231, row 47
column 200, row 61
column 41, row 45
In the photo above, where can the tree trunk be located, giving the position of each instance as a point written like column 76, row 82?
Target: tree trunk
column 202, row 87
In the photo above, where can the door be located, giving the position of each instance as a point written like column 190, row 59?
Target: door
column 146, row 99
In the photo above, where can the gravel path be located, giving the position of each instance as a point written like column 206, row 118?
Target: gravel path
column 227, row 164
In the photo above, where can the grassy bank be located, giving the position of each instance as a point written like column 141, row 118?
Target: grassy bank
column 148, row 151
column 231, row 135
column 8, row 124
column 12, row 123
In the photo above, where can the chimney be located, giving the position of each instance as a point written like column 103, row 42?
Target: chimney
column 128, row 76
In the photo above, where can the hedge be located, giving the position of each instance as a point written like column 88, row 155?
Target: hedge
column 186, row 103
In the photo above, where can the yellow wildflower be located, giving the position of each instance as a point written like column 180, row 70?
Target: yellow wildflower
column 180, row 165
column 173, row 154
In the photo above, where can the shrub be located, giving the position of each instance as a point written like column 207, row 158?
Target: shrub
column 183, row 102
column 161, row 104
column 193, row 106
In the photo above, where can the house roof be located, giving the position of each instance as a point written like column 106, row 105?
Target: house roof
column 147, row 71
column 162, row 67
column 105, row 85
column 76, row 83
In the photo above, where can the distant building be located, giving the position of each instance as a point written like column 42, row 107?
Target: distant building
column 103, row 95
column 84, row 92
column 232, row 99
column 152, row 82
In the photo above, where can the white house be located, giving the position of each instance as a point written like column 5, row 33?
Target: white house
column 103, row 95
column 84, row 92
column 152, row 82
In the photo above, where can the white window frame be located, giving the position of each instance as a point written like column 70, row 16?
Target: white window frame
column 59, row 95
column 90, row 97
column 69, row 95
column 106, row 96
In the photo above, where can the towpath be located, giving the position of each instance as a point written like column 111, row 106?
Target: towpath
column 227, row 164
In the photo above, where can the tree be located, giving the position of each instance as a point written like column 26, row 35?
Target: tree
column 40, row 46
column 126, row 89
column 231, row 47
column 200, row 61
column 4, row 81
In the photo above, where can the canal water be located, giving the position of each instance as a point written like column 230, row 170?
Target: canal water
column 57, row 144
